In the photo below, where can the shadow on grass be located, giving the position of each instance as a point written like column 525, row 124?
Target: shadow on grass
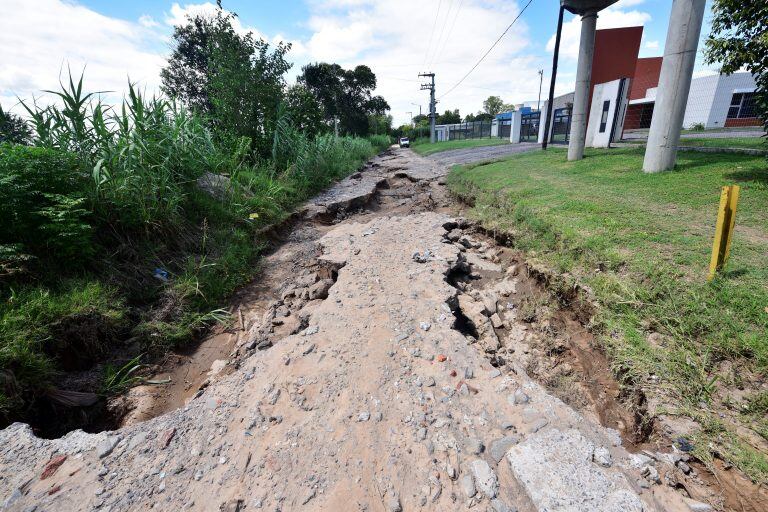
column 755, row 175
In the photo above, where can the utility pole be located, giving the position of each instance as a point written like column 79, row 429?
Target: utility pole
column 431, row 88
column 541, row 81
column 410, row 114
column 674, row 84
column 552, row 79
column 417, row 105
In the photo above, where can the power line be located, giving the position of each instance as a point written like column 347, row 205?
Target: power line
column 432, row 34
column 489, row 50
column 453, row 25
column 442, row 31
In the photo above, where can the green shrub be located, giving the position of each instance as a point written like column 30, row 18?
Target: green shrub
column 43, row 207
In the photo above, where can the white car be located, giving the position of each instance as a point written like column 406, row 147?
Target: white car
column 405, row 142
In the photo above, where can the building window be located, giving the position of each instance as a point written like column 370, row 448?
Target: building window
column 742, row 106
column 604, row 116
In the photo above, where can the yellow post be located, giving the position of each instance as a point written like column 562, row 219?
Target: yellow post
column 726, row 218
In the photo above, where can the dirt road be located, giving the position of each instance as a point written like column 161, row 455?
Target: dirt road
column 382, row 366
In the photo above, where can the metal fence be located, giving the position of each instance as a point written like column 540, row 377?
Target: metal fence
column 471, row 130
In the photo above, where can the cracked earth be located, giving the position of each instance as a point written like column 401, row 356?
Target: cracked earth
column 379, row 363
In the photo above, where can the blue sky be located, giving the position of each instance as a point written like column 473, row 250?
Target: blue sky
column 397, row 38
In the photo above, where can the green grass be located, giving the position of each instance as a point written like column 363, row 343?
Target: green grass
column 641, row 243
column 424, row 148
column 726, row 142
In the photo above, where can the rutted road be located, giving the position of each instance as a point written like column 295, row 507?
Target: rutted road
column 365, row 384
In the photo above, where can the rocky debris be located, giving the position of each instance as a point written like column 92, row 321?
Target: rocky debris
column 467, row 484
column 499, row 447
column 558, row 474
column 53, row 465
column 485, row 478
column 107, row 446
column 474, row 446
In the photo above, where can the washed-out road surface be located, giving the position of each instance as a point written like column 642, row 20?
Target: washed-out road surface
column 384, row 373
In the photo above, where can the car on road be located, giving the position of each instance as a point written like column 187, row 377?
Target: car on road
column 405, row 142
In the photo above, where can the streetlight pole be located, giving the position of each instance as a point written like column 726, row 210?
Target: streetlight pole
column 541, row 81
column 410, row 114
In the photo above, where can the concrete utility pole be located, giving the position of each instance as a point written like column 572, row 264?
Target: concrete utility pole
column 588, row 10
column 432, row 113
column 674, row 84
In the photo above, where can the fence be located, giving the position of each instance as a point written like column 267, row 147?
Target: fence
column 471, row 130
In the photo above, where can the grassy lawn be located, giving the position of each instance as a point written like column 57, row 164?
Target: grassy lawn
column 641, row 244
column 424, row 148
column 726, row 142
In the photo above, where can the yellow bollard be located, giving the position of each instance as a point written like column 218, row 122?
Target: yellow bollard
column 726, row 218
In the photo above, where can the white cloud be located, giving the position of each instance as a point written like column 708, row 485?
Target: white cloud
column 613, row 17
column 39, row 43
column 393, row 38
column 652, row 45
column 148, row 21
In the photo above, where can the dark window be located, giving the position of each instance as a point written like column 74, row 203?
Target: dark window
column 604, row 116
column 742, row 106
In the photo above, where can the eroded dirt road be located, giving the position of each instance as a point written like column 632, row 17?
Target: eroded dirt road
column 380, row 365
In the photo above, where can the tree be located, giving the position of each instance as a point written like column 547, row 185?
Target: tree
column 480, row 116
column 495, row 105
column 346, row 95
column 449, row 117
column 420, row 119
column 304, row 111
column 739, row 39
column 234, row 80
column 14, row 129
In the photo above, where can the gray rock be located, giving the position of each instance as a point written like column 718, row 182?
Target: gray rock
column 106, row 446
column 474, row 445
column 319, row 290
column 435, row 489
column 425, row 326
column 485, row 478
column 519, row 397
column 393, row 503
column 500, row 506
column 364, row 416
column 500, row 447
column 496, row 321
column 697, row 506
column 602, row 456
column 467, row 484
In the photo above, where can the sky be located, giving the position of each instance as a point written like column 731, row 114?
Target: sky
column 113, row 41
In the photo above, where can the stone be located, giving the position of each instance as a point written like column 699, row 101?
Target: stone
column 500, row 447
column 319, row 290
column 489, row 303
column 602, row 456
column 556, row 470
column 425, row 326
column 364, row 416
column 393, row 503
column 538, row 425
column 435, row 489
column 684, row 467
column 430, row 382
column 106, row 446
column 474, row 445
column 467, row 484
column 651, row 474
column 519, row 397
column 485, row 478
column 496, row 321
column 500, row 506
column 697, row 506
column 53, row 465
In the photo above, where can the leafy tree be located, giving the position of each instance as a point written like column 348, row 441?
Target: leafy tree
column 480, row 116
column 495, row 105
column 379, row 124
column 232, row 79
column 739, row 38
column 449, row 117
column 346, row 95
column 14, row 129
column 304, row 110
column 421, row 119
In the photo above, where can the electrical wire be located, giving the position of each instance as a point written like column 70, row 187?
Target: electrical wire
column 432, row 34
column 453, row 25
column 488, row 51
column 442, row 31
